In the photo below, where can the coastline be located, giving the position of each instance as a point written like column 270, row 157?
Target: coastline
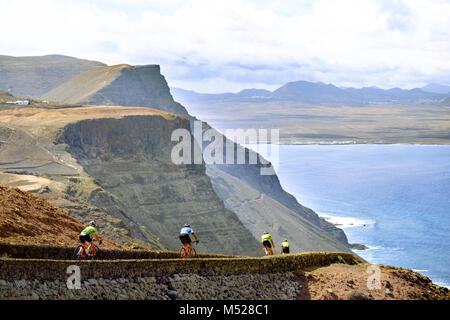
column 339, row 143
column 390, row 249
column 364, row 250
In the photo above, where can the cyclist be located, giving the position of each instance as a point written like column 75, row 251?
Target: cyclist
column 267, row 243
column 88, row 232
column 184, row 235
column 284, row 247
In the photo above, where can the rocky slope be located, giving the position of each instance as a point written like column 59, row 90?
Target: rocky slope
column 33, row 76
column 113, row 163
column 345, row 282
column 25, row 218
column 256, row 211
column 145, row 86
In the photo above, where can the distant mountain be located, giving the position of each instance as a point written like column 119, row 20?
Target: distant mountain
column 313, row 93
column 369, row 95
column 316, row 93
column 436, row 88
column 254, row 93
column 34, row 76
column 189, row 96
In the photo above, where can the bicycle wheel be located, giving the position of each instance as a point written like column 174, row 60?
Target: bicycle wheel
column 78, row 253
column 93, row 254
column 191, row 252
column 183, row 252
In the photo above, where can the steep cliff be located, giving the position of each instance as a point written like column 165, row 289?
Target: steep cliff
column 130, row 158
column 113, row 164
column 145, row 86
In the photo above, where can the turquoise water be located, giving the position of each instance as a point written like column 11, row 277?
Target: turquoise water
column 393, row 198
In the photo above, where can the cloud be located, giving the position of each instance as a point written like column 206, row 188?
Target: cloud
column 238, row 43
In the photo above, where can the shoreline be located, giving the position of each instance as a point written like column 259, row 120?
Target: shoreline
column 356, row 225
column 344, row 143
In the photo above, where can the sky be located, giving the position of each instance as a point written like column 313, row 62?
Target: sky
column 227, row 46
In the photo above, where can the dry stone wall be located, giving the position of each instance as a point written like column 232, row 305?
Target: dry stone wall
column 155, row 275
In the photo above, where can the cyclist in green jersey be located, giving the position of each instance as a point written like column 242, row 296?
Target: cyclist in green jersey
column 89, row 232
column 267, row 243
column 284, row 247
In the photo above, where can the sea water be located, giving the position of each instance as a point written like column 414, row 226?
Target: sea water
column 395, row 199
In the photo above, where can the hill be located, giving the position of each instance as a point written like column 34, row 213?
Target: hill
column 437, row 88
column 33, row 76
column 121, row 85
column 25, row 218
column 314, row 93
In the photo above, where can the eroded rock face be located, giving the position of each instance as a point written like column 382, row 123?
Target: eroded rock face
column 130, row 159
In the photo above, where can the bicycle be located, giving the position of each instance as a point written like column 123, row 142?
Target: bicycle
column 268, row 251
column 187, row 251
column 81, row 252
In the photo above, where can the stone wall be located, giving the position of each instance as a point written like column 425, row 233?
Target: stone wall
column 46, row 269
column 26, row 251
column 155, row 275
column 183, row 286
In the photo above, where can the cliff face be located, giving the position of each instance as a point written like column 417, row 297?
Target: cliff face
column 260, row 212
column 130, row 158
column 230, row 179
column 145, row 86
column 112, row 164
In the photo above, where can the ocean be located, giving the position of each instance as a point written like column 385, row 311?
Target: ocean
column 395, row 199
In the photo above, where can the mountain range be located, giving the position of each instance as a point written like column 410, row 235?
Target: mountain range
column 316, row 93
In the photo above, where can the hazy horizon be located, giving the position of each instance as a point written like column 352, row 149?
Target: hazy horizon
column 217, row 46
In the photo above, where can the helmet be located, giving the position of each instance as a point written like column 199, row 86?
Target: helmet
column 93, row 223
column 187, row 225
column 265, row 232
column 285, row 240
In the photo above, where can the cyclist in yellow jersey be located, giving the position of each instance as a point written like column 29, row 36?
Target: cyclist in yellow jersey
column 89, row 232
column 267, row 243
column 284, row 247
